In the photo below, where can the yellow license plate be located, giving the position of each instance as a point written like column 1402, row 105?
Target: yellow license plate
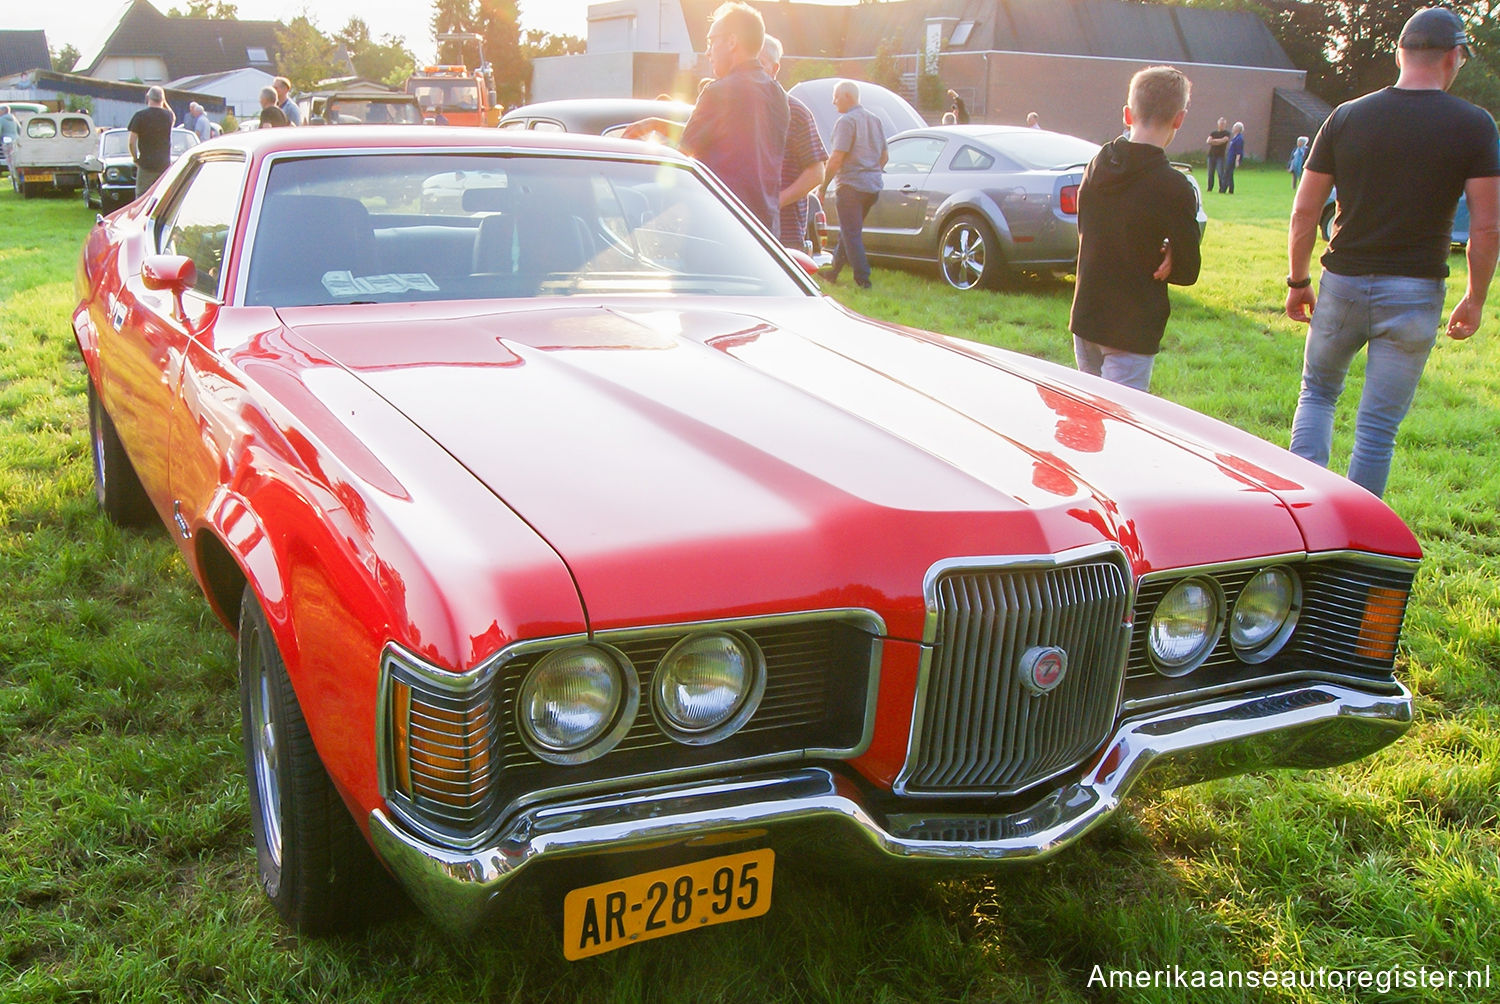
column 600, row 918
column 37, row 177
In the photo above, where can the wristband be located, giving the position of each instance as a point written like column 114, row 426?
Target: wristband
column 1298, row 283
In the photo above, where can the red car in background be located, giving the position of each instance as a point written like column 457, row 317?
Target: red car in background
column 575, row 542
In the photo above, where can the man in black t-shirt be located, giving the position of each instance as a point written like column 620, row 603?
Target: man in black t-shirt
column 1400, row 158
column 151, row 139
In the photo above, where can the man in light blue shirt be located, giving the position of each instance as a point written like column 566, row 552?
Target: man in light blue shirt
column 856, row 163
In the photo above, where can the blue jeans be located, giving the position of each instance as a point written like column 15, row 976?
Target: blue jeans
column 1395, row 319
column 852, row 205
column 1215, row 172
column 1115, row 365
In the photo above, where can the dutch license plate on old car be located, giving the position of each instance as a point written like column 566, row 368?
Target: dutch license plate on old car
column 600, row 918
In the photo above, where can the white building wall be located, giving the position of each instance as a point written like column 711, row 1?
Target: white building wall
column 148, row 69
column 594, row 75
column 640, row 26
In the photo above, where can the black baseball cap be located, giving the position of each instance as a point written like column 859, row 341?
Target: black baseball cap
column 1434, row 28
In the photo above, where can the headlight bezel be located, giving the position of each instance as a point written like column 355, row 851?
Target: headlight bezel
column 613, row 730
column 1273, row 643
column 1183, row 667
column 745, row 707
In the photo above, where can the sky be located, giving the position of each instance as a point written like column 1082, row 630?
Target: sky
column 81, row 23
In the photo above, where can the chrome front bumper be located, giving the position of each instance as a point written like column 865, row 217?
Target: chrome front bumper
column 1307, row 725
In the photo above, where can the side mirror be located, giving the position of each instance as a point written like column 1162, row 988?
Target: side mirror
column 174, row 273
column 805, row 260
column 93, row 163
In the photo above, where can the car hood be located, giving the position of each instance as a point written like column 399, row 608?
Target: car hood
column 757, row 456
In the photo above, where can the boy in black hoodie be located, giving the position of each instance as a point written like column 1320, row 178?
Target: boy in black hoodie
column 1137, row 231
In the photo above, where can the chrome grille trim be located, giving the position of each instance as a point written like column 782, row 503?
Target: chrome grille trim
column 976, row 729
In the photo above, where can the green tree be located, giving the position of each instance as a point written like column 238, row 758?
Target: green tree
column 538, row 44
column 497, row 22
column 388, row 61
column 214, row 10
column 307, row 55
column 64, row 59
column 884, row 70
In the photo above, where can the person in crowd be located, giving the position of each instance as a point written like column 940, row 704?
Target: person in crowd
column 271, row 115
column 957, row 107
column 284, row 101
column 1400, row 156
column 1033, row 120
column 1137, row 232
column 1295, row 163
column 1218, row 147
column 857, row 164
column 10, row 129
column 738, row 128
column 801, row 161
column 151, row 139
column 198, row 122
column 1233, row 155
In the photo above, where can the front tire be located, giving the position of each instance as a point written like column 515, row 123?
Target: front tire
column 117, row 489
column 314, row 864
column 969, row 254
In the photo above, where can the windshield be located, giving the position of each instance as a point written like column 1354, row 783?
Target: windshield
column 347, row 112
column 1041, row 150
column 116, row 143
column 391, row 228
column 451, row 95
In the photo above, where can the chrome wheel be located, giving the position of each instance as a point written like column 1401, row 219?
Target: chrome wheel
column 263, row 754
column 968, row 254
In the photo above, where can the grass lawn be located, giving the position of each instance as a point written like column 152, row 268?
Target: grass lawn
column 126, row 865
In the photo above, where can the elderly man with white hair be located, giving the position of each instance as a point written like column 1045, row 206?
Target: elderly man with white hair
column 197, row 120
column 151, row 139
column 801, row 161
column 857, row 166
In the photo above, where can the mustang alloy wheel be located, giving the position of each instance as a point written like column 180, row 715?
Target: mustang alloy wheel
column 117, row 489
column 314, row 865
column 969, row 253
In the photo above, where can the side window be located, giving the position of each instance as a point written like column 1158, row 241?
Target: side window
column 970, row 159
column 197, row 225
column 40, row 128
column 914, row 155
column 547, row 125
column 74, row 127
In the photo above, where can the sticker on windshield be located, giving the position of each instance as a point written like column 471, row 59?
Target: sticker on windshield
column 345, row 283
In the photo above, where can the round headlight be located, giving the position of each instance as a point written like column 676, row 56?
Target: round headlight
column 112, row 174
column 1186, row 625
column 707, row 686
column 1264, row 614
column 577, row 703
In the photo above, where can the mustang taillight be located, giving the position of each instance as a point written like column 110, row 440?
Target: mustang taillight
column 1067, row 200
column 441, row 746
column 1380, row 627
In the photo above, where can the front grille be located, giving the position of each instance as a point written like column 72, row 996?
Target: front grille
column 978, row 729
column 1330, row 635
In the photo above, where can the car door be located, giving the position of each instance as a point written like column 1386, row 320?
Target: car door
column 200, row 226
column 150, row 336
column 894, row 225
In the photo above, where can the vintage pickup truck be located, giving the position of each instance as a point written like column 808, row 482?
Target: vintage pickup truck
column 49, row 152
